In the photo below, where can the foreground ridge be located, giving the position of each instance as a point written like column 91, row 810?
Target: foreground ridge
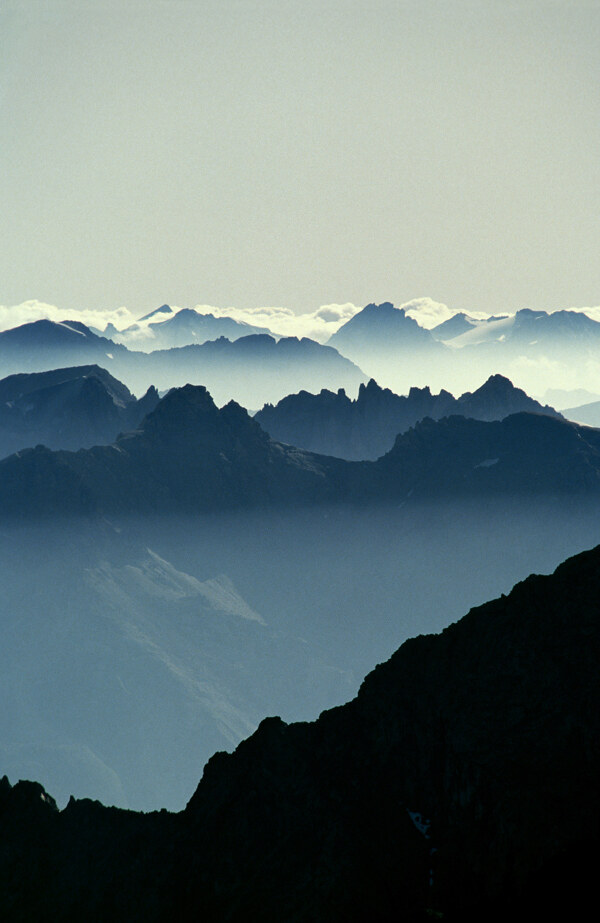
column 480, row 743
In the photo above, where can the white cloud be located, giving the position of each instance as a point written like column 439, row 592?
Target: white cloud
column 429, row 313
column 318, row 325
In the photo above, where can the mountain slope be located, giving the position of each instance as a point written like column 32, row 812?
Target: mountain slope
column 462, row 781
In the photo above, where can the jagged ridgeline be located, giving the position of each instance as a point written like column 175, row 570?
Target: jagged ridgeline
column 461, row 783
column 188, row 455
column 365, row 428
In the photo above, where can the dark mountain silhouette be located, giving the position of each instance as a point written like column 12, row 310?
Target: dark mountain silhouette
column 190, row 456
column 187, row 455
column 462, row 782
column 253, row 369
column 524, row 454
column 333, row 424
column 67, row 409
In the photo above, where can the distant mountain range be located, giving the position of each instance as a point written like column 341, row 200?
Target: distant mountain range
column 365, row 428
column 588, row 413
column 69, row 408
column 165, row 329
column 384, row 340
column 189, row 456
column 535, row 348
column 461, row 783
column 253, row 369
column 557, row 331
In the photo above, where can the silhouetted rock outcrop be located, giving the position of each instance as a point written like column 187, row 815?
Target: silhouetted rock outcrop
column 462, row 781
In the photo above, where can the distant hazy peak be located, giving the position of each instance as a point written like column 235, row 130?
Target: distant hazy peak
column 164, row 309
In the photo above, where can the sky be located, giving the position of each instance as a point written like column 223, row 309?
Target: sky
column 249, row 154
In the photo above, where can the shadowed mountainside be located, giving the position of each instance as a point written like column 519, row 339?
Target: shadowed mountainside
column 462, row 781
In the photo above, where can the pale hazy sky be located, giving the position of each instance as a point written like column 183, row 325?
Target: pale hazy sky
column 277, row 153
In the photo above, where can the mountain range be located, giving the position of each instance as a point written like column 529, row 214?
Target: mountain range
column 461, row 783
column 333, row 424
column 188, row 455
column 556, row 331
column 588, row 413
column 253, row 369
column 535, row 349
column 165, row 329
column 69, row 408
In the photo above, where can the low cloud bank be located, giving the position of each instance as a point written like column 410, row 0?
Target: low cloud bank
column 319, row 324
column 29, row 311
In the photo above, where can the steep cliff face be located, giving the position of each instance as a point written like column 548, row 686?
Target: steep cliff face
column 462, row 781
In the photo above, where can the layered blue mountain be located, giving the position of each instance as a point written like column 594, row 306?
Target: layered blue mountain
column 458, row 324
column 68, row 408
column 461, row 783
column 536, row 349
column 588, row 413
column 334, row 424
column 253, row 369
column 188, row 455
column 381, row 334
